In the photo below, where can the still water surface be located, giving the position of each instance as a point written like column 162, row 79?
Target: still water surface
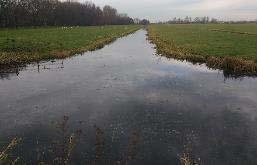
column 126, row 90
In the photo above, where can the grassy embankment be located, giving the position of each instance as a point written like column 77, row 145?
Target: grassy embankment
column 18, row 46
column 232, row 48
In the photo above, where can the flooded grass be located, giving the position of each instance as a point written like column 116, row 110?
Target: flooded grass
column 232, row 50
column 31, row 45
column 63, row 150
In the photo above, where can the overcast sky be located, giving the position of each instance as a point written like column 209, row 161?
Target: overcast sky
column 156, row 10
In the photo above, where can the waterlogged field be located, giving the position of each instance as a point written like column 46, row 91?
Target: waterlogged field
column 26, row 45
column 230, row 46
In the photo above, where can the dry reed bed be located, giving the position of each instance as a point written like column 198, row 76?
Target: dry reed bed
column 233, row 66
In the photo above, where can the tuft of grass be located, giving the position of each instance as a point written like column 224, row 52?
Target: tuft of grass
column 186, row 160
column 19, row 46
column 5, row 157
column 232, row 50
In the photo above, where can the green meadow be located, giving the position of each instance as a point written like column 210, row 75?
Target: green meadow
column 34, row 44
column 223, row 46
column 215, row 40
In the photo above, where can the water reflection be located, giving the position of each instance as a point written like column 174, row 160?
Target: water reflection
column 126, row 92
column 8, row 72
column 225, row 137
column 155, row 136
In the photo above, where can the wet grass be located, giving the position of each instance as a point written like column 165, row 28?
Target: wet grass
column 19, row 46
column 231, row 48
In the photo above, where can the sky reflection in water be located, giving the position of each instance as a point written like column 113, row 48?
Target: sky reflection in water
column 173, row 106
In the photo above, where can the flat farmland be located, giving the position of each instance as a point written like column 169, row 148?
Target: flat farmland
column 211, row 43
column 215, row 40
column 34, row 44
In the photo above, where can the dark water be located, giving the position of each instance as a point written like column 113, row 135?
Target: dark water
column 126, row 90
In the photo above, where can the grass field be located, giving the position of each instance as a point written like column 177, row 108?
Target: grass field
column 222, row 46
column 29, row 45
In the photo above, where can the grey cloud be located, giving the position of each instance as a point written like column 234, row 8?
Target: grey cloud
column 167, row 9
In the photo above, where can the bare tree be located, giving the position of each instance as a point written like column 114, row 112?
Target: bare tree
column 20, row 13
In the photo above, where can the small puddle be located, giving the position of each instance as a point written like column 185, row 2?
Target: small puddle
column 125, row 88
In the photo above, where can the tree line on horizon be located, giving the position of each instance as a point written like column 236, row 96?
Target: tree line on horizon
column 189, row 20
column 27, row 13
column 200, row 20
